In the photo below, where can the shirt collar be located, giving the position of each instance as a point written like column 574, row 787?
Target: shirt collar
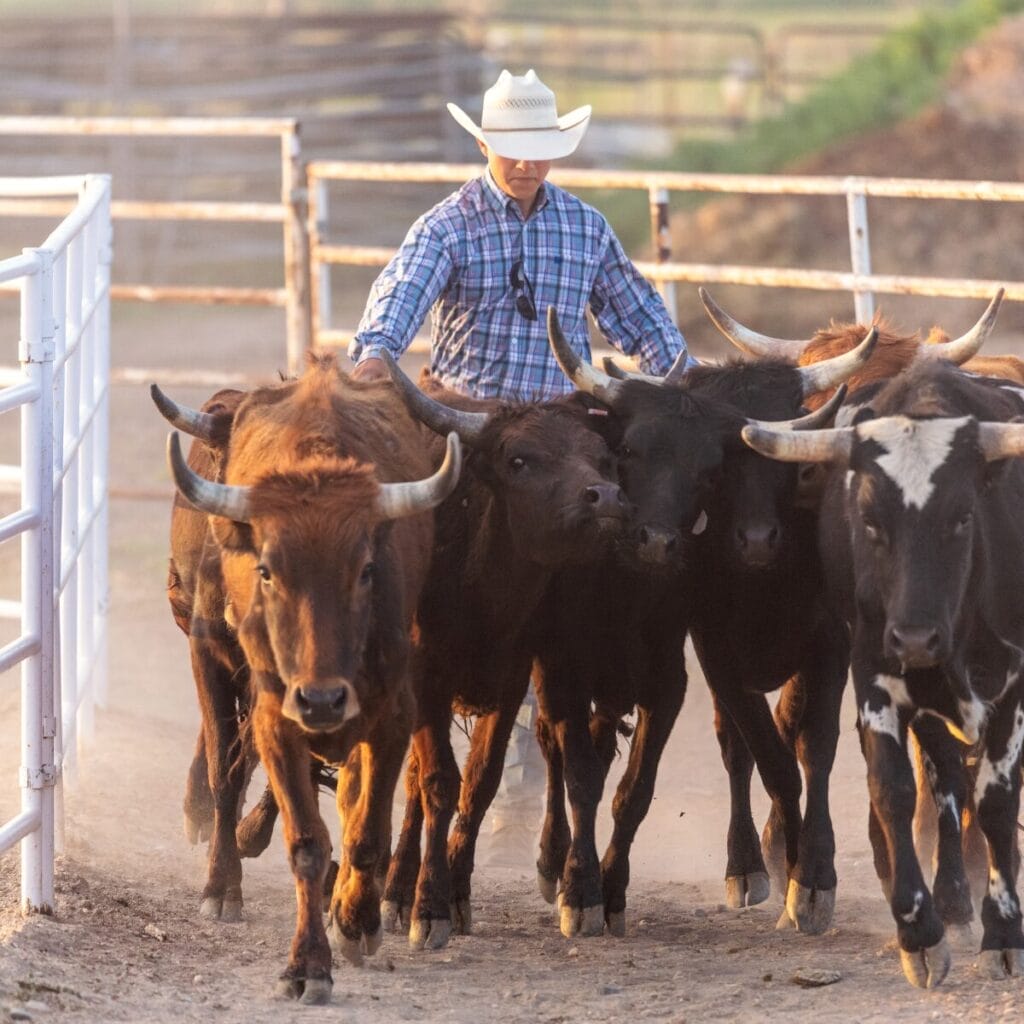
column 504, row 201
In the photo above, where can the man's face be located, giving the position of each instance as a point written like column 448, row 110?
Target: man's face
column 517, row 178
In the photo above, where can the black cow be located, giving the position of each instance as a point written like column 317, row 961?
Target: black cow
column 695, row 491
column 537, row 492
column 920, row 523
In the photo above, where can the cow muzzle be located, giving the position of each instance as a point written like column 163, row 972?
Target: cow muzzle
column 758, row 543
column 607, row 503
column 321, row 706
column 916, row 646
column 658, row 545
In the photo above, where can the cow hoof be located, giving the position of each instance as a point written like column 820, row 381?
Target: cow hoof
column 548, row 888
column 231, row 912
column 961, row 937
column 394, row 917
column 810, row 910
column 429, row 933
column 926, row 968
column 616, row 922
column 747, row 890
column 1000, row 963
column 586, row 922
column 462, row 917
column 311, row 991
column 785, row 922
column 316, row 992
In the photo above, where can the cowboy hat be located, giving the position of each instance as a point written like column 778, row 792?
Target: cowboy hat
column 519, row 120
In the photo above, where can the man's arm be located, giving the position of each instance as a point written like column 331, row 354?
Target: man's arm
column 400, row 299
column 631, row 313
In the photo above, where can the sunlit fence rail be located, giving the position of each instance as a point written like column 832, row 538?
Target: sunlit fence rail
column 665, row 271
column 61, row 389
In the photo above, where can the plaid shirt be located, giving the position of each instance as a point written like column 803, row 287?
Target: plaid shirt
column 456, row 262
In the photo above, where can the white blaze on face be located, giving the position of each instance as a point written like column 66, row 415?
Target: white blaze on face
column 914, row 450
column 998, row 773
column 886, row 719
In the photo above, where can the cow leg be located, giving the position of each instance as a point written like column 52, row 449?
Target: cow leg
column 214, row 675
column 788, row 713
column 480, row 781
column 924, row 952
column 554, row 836
column 942, row 768
column 567, row 711
column 439, row 791
column 775, row 762
column 285, row 757
column 746, row 879
column 354, row 927
column 657, row 713
column 400, row 884
column 997, row 795
column 256, row 829
column 198, row 805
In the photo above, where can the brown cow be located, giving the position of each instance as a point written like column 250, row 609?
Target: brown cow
column 323, row 554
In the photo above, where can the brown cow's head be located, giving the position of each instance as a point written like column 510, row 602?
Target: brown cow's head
column 310, row 565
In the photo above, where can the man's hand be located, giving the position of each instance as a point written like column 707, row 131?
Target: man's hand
column 371, row 369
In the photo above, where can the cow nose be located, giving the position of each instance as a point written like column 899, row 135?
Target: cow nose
column 606, row 501
column 657, row 544
column 759, row 543
column 915, row 646
column 322, row 707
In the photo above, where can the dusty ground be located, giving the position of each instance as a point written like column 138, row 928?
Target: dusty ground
column 127, row 943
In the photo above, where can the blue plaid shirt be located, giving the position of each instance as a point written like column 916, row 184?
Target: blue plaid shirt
column 456, row 262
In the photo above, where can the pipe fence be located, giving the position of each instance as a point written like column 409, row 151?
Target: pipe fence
column 61, row 388
column 663, row 270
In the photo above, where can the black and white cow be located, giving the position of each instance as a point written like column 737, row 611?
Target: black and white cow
column 922, row 532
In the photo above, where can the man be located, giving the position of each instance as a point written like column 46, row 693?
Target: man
column 486, row 263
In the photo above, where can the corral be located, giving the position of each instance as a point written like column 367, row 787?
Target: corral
column 127, row 944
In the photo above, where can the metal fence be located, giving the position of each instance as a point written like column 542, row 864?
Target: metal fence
column 664, row 270
column 61, row 389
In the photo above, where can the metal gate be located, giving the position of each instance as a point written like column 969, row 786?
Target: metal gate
column 61, row 388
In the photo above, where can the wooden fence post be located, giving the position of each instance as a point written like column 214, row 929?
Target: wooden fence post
column 296, row 250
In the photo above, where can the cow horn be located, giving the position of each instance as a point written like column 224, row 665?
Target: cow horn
column 204, row 425
column 675, row 371
column 441, row 418
column 821, row 417
column 830, row 372
column 1001, row 440
column 406, row 499
column 832, row 445
column 967, row 346
column 228, row 500
column 586, row 377
column 613, row 369
column 750, row 341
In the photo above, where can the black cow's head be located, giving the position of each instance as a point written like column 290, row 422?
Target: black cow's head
column 547, row 465
column 681, row 459
column 914, row 488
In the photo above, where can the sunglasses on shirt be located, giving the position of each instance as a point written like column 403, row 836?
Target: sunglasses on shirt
column 525, row 305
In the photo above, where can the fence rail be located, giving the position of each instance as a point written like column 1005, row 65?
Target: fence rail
column 664, row 270
column 62, row 392
column 289, row 211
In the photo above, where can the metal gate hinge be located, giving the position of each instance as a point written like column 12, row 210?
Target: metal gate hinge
column 38, row 778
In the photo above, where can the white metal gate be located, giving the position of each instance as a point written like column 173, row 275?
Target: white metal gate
column 61, row 388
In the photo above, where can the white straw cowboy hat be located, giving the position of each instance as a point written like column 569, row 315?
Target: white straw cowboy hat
column 519, row 120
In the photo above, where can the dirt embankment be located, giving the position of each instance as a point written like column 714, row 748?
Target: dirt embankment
column 976, row 132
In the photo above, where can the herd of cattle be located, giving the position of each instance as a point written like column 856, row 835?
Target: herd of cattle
column 847, row 503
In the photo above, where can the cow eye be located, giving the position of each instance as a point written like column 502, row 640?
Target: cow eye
column 264, row 572
column 964, row 523
column 624, row 451
column 366, row 576
column 873, row 531
column 517, row 462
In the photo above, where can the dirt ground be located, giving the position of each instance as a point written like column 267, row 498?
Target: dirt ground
column 127, row 943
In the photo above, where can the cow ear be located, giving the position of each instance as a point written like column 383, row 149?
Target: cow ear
column 232, row 536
